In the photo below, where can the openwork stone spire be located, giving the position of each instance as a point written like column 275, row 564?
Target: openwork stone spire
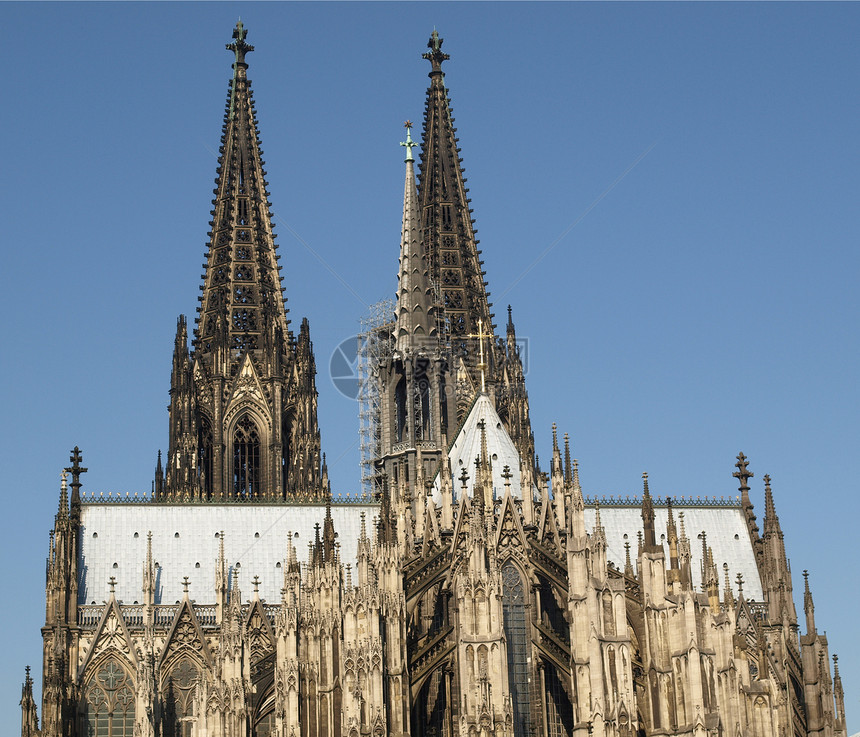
column 416, row 309
column 446, row 220
column 242, row 305
column 243, row 404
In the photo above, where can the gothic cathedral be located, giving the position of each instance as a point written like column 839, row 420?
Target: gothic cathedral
column 469, row 594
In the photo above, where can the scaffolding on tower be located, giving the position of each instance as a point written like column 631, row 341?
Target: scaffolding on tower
column 374, row 342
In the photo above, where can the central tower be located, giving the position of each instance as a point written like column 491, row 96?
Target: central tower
column 243, row 402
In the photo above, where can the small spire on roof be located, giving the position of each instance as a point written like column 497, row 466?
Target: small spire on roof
column 567, row 470
column 648, row 516
column 628, row 565
column 64, row 495
column 728, row 596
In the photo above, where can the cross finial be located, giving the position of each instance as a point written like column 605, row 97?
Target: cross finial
column 239, row 47
column 507, row 476
column 464, row 477
column 76, row 470
column 435, row 56
column 256, row 582
column 112, row 583
column 409, row 143
column 743, row 474
column 740, row 581
column 185, row 584
column 482, row 366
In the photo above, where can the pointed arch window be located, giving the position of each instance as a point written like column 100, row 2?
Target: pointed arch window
column 421, row 401
column 516, row 634
column 559, row 716
column 246, row 458
column 400, row 410
column 109, row 702
column 179, row 691
column 204, row 457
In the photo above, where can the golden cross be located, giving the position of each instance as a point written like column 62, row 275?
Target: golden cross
column 481, row 365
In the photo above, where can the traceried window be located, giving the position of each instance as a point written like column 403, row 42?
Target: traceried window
column 246, row 458
column 204, row 459
column 514, row 611
column 421, row 401
column 109, row 702
column 179, row 691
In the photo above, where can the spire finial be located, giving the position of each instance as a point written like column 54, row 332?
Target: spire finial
column 743, row 474
column 239, row 47
column 409, row 143
column 76, row 470
column 740, row 581
column 507, row 476
column 186, row 582
column 464, row 477
column 112, row 584
column 435, row 56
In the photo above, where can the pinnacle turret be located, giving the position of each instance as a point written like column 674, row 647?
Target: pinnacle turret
column 650, row 540
column 808, row 605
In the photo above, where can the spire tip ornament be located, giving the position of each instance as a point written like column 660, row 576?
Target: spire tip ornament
column 435, row 56
column 408, row 143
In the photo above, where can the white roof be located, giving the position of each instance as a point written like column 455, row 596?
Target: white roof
column 184, row 543
column 725, row 527
column 467, row 447
column 113, row 542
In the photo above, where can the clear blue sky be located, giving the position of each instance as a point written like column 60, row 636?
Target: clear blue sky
column 704, row 305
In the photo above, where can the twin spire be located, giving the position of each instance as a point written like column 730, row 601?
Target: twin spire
column 242, row 307
column 455, row 266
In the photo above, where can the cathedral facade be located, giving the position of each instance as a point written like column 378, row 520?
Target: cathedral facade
column 472, row 593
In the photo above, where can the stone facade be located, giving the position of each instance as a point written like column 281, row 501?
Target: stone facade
column 473, row 594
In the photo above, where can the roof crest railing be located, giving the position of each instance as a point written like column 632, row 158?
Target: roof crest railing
column 357, row 498
column 659, row 501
